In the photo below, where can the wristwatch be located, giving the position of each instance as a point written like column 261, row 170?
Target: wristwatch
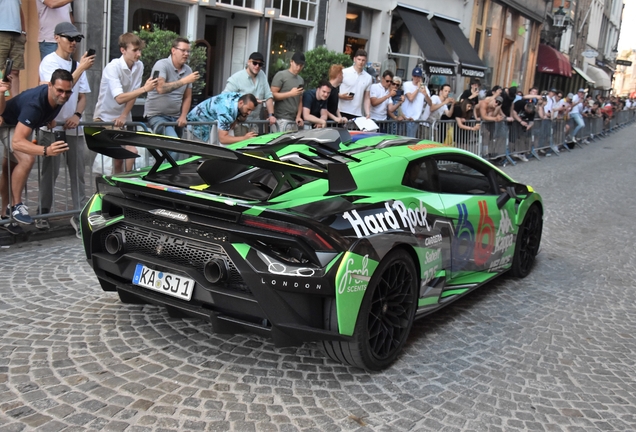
column 78, row 114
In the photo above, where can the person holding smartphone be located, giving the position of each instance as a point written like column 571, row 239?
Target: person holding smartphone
column 68, row 120
column 354, row 90
column 120, row 87
column 287, row 89
column 30, row 109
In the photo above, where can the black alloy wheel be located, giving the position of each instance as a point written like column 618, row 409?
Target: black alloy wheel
column 385, row 318
column 528, row 242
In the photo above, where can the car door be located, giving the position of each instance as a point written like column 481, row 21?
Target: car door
column 482, row 233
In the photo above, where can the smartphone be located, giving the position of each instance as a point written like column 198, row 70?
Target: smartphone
column 352, row 94
column 7, row 70
column 399, row 93
column 301, row 86
column 155, row 75
column 91, row 52
column 60, row 135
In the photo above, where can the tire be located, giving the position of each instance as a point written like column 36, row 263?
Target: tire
column 385, row 318
column 528, row 242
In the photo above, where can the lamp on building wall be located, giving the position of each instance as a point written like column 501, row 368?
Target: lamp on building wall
column 272, row 13
column 558, row 19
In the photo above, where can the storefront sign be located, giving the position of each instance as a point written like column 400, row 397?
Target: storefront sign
column 432, row 69
column 620, row 62
column 589, row 53
column 471, row 72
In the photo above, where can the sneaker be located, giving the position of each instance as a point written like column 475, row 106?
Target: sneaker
column 521, row 157
column 586, row 141
column 20, row 214
column 76, row 226
column 42, row 224
column 12, row 227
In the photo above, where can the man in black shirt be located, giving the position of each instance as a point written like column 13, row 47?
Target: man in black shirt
column 315, row 105
column 30, row 109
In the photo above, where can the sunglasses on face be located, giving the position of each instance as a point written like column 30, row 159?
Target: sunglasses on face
column 259, row 64
column 394, row 83
column 388, row 81
column 77, row 39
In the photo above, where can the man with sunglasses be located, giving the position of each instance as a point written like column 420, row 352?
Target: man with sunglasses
column 29, row 110
column 381, row 95
column 67, row 121
column 253, row 80
column 170, row 102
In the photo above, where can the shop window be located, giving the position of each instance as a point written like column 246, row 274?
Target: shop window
column 298, row 9
column 148, row 19
column 357, row 28
column 238, row 3
column 286, row 40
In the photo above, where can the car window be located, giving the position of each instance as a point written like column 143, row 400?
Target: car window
column 459, row 177
column 421, row 174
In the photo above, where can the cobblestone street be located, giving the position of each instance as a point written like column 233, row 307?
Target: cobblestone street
column 555, row 351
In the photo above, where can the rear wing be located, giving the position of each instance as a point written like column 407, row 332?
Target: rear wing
column 222, row 163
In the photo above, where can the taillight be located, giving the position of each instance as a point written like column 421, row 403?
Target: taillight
column 309, row 235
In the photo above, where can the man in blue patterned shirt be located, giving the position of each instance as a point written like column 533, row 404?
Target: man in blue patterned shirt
column 227, row 109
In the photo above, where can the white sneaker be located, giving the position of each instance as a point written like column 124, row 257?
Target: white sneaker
column 42, row 224
column 76, row 226
column 521, row 157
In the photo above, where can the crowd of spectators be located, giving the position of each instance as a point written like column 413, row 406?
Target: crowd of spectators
column 57, row 105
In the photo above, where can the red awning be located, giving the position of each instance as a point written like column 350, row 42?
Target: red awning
column 552, row 61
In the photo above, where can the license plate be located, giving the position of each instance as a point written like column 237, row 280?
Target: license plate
column 167, row 283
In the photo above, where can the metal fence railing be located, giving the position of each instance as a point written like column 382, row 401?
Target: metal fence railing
column 495, row 141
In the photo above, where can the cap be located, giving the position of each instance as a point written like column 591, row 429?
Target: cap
column 68, row 29
column 570, row 96
column 257, row 56
column 298, row 58
column 371, row 71
column 417, row 72
column 499, row 99
column 553, row 90
column 581, row 90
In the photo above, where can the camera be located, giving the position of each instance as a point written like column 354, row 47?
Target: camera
column 59, row 135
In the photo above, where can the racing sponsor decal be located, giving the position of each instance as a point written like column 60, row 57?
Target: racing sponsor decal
column 352, row 280
column 397, row 216
column 416, row 147
column 356, row 277
column 480, row 244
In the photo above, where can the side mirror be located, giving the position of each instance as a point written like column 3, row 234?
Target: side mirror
column 515, row 190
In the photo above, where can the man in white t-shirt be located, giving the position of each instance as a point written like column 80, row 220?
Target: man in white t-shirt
column 120, row 87
column 380, row 95
column 576, row 112
column 67, row 37
column 354, row 90
column 417, row 97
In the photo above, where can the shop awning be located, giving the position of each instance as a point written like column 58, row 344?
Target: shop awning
column 470, row 63
column 551, row 61
column 438, row 60
column 601, row 79
column 584, row 76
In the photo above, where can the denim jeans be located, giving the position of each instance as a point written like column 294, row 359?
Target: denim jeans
column 47, row 48
column 169, row 130
column 578, row 119
column 411, row 129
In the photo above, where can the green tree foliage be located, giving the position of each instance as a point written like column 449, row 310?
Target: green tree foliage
column 317, row 64
column 158, row 45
